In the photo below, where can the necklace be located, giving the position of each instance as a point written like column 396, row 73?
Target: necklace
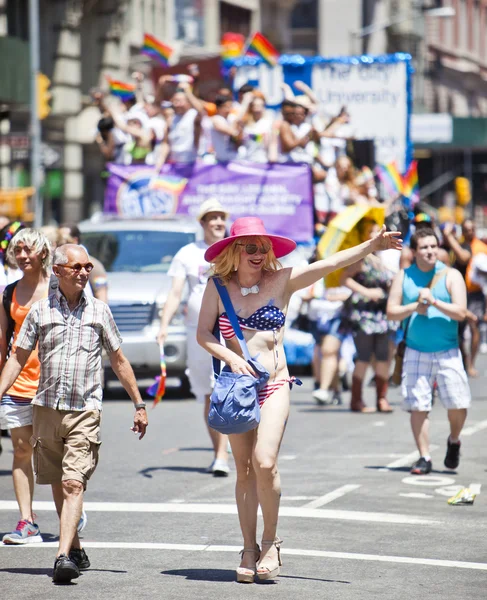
column 245, row 291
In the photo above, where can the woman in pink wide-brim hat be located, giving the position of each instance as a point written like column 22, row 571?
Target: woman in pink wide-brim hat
column 260, row 289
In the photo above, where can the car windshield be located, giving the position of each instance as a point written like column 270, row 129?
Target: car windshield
column 136, row 251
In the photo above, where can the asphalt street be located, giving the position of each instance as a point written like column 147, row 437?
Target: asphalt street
column 355, row 524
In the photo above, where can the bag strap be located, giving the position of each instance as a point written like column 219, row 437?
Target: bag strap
column 8, row 293
column 437, row 277
column 227, row 303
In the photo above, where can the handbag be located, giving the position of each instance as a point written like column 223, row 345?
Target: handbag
column 396, row 376
column 234, row 402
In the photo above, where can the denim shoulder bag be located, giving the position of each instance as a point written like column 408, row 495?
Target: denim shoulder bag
column 234, row 402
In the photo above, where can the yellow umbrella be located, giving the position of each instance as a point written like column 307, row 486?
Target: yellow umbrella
column 342, row 233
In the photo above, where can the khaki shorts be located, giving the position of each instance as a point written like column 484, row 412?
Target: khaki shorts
column 65, row 443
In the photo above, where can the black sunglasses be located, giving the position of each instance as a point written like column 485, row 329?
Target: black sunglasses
column 88, row 267
column 252, row 248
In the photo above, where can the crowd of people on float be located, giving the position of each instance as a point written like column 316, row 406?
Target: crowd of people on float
column 177, row 125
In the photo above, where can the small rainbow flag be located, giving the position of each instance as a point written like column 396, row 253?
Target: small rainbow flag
column 260, row 46
column 391, row 178
column 155, row 49
column 124, row 91
column 411, row 182
column 158, row 388
column 231, row 46
column 168, row 183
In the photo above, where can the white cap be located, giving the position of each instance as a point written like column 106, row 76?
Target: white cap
column 209, row 206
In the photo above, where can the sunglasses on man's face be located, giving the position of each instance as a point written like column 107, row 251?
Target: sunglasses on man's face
column 253, row 248
column 88, row 267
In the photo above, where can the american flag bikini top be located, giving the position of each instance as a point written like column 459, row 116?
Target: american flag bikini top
column 266, row 318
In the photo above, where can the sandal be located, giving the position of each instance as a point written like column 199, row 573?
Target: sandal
column 271, row 572
column 384, row 406
column 245, row 575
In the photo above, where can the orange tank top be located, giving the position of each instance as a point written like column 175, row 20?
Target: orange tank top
column 27, row 382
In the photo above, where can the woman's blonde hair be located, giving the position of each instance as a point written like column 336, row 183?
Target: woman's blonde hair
column 35, row 240
column 228, row 261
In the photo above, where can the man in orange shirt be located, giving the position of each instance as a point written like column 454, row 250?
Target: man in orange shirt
column 464, row 258
column 30, row 249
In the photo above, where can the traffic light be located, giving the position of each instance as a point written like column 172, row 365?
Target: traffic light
column 462, row 189
column 43, row 96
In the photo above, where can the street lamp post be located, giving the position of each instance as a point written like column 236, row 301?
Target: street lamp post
column 35, row 124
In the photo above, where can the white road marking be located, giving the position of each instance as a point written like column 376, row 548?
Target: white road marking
column 405, row 460
column 449, row 491
column 430, row 562
column 417, row 495
column 327, row 498
column 475, row 488
column 288, row 457
column 474, row 428
column 379, row 424
column 231, row 509
column 430, row 480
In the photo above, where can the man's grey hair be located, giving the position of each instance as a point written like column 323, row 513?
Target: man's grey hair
column 60, row 257
column 35, row 240
column 61, row 253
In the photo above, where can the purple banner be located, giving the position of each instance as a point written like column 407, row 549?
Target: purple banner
column 281, row 195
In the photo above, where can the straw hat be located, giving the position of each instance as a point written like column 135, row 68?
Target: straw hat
column 247, row 227
column 209, row 206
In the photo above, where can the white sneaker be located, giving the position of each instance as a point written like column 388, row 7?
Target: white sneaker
column 83, row 521
column 220, row 468
column 322, row 397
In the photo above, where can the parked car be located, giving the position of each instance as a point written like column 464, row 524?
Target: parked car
column 137, row 255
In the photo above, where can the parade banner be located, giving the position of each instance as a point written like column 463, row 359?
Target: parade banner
column 281, row 195
column 376, row 91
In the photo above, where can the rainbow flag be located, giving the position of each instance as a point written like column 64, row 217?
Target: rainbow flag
column 231, row 46
column 168, row 183
column 391, row 178
column 158, row 388
column 411, row 182
column 260, row 46
column 124, row 91
column 155, row 49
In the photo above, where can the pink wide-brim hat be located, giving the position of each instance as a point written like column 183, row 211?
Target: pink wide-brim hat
column 248, row 227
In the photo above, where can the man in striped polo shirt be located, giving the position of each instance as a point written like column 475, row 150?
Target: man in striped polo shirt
column 71, row 329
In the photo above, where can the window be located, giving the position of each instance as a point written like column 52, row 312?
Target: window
column 136, row 251
column 305, row 15
column 18, row 18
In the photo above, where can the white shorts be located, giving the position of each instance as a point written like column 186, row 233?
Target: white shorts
column 420, row 372
column 14, row 414
column 200, row 367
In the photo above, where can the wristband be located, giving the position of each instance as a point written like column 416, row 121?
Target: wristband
column 139, row 405
column 435, row 302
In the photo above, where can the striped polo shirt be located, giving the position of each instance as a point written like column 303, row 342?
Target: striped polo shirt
column 70, row 348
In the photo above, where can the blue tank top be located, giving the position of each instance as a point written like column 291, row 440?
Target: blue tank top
column 433, row 332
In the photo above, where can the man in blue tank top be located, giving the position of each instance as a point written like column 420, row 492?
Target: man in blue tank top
column 432, row 299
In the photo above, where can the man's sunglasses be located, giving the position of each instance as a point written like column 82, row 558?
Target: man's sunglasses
column 253, row 248
column 88, row 267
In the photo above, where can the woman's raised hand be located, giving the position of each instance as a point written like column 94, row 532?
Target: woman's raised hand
column 386, row 240
column 240, row 365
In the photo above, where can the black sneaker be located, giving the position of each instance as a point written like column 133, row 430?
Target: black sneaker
column 452, row 458
column 422, row 467
column 65, row 569
column 80, row 558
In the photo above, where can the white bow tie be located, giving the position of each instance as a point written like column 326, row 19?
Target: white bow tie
column 249, row 290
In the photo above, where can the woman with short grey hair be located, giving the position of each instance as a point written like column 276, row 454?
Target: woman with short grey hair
column 30, row 250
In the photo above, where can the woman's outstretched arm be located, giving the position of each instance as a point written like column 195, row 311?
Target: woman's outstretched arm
column 302, row 277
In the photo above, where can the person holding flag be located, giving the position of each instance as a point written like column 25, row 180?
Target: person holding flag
column 189, row 265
